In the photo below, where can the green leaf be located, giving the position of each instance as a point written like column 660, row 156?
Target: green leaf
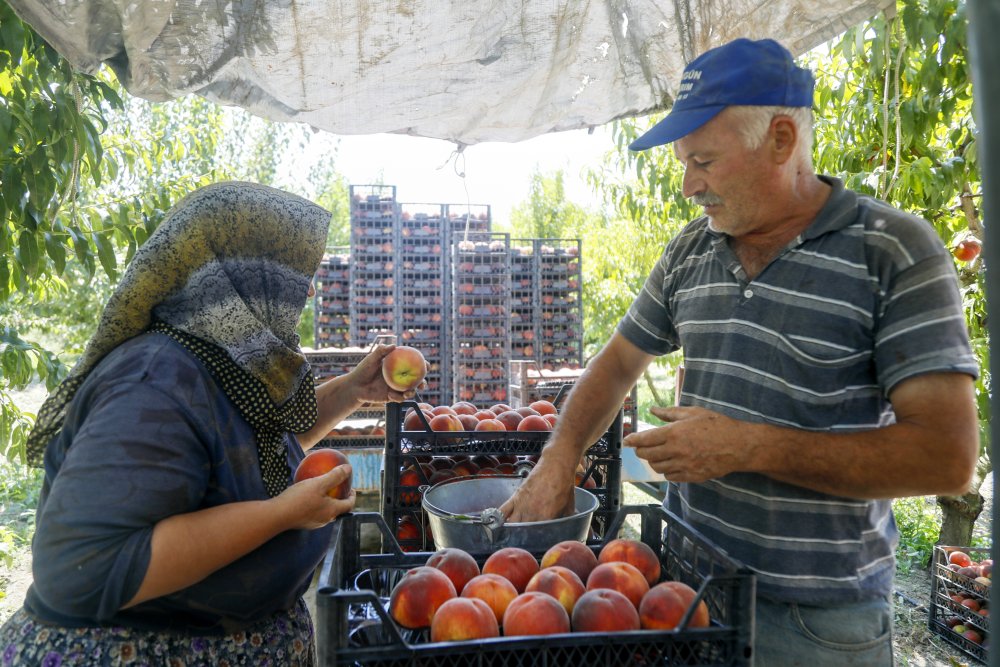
column 106, row 254
column 27, row 253
column 56, row 251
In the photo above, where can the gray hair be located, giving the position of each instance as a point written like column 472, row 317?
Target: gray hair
column 755, row 120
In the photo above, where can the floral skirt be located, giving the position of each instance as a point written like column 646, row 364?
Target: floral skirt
column 285, row 639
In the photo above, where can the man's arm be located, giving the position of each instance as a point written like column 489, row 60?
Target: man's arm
column 590, row 407
column 932, row 448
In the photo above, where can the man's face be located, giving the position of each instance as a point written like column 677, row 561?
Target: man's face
column 726, row 178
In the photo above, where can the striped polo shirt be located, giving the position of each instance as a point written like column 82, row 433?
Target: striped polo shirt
column 864, row 298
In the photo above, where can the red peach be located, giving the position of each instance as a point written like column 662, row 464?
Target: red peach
column 663, row 607
column 510, row 419
column 494, row 590
column 458, row 564
column 515, row 564
column 634, row 552
column 463, row 619
column 604, row 610
column 319, row 462
column 543, row 407
column 412, row 421
column 499, row 407
column 464, row 408
column 622, row 577
column 418, row 595
column 571, row 554
column 469, row 422
column 404, row 368
column 446, row 422
column 534, row 423
column 559, row 582
column 535, row 614
column 490, row 425
column 484, row 414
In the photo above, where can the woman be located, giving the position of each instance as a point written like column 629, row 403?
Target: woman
column 167, row 530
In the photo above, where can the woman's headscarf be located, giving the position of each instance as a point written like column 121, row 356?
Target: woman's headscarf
column 227, row 275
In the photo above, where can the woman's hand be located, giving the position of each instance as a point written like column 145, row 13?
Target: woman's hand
column 307, row 504
column 369, row 384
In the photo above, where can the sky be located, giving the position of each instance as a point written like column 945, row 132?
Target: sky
column 499, row 174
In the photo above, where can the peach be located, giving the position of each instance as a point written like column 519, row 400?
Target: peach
column 633, row 552
column 443, row 410
column 490, row 425
column 485, row 460
column 561, row 583
column 526, row 411
column 551, row 419
column 412, row 421
column 465, row 468
column 619, row 576
column 408, row 530
column 499, row 407
column 441, row 476
column 462, row 619
column 534, row 423
column 959, row 558
column 319, row 462
column 484, row 414
column 543, row 407
column 510, row 419
column 469, row 422
column 492, row 589
column 464, row 408
column 418, row 595
column 404, row 368
column 535, row 614
column 604, row 610
column 446, row 422
column 515, row 564
column 663, row 607
column 457, row 564
column 571, row 554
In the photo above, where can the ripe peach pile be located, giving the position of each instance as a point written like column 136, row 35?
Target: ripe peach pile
column 960, row 563
column 464, row 416
column 569, row 590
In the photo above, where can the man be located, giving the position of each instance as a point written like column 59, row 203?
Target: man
column 827, row 365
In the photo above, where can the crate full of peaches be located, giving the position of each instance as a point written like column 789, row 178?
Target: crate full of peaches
column 428, row 445
column 960, row 598
column 662, row 596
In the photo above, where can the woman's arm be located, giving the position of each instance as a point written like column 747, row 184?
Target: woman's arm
column 186, row 548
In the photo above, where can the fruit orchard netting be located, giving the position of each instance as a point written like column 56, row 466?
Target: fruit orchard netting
column 463, row 70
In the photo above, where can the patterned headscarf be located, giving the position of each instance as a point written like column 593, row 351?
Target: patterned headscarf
column 227, row 275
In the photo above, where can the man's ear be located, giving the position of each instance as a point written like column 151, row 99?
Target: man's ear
column 784, row 137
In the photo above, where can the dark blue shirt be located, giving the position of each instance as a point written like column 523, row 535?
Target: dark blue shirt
column 150, row 435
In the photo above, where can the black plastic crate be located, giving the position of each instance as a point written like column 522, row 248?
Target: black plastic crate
column 353, row 626
column 945, row 610
column 409, row 458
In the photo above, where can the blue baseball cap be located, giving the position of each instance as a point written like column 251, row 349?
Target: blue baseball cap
column 743, row 72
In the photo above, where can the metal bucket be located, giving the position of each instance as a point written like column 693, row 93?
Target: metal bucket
column 462, row 514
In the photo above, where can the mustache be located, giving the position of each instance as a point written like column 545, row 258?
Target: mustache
column 707, row 199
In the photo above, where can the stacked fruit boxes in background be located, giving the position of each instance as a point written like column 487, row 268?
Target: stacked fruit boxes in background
column 423, row 299
column 331, row 305
column 529, row 383
column 480, row 340
column 414, row 453
column 560, row 339
column 354, row 626
column 546, row 302
column 961, row 578
column 374, row 269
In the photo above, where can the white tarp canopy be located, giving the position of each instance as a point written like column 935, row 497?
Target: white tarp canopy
column 467, row 71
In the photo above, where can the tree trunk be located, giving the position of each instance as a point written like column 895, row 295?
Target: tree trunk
column 959, row 514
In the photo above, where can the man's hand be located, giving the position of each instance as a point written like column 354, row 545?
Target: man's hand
column 547, row 493
column 695, row 445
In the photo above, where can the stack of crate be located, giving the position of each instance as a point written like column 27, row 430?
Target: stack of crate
column 374, row 267
column 423, row 303
column 560, row 335
column 331, row 320
column 546, row 302
column 480, row 317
